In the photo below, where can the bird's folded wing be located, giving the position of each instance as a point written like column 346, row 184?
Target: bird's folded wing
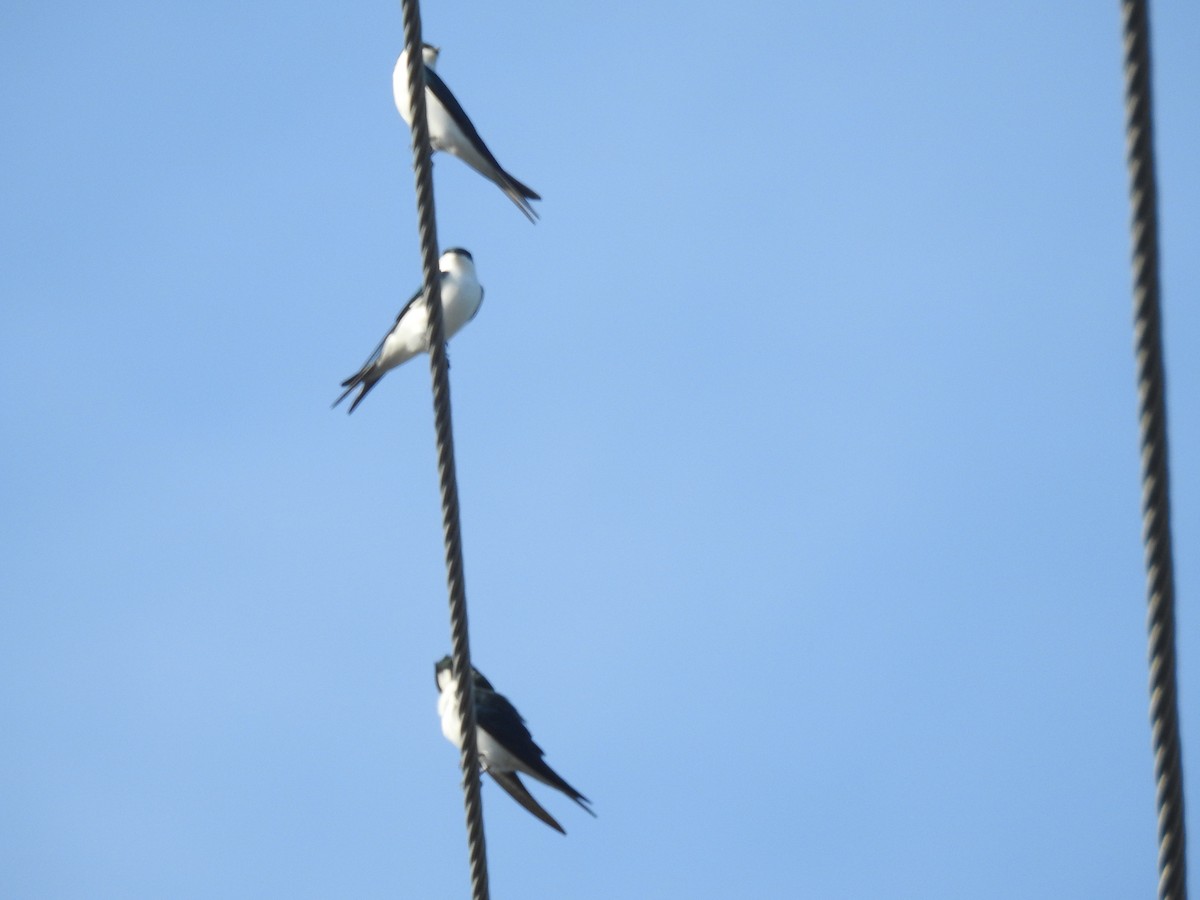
column 511, row 783
column 433, row 81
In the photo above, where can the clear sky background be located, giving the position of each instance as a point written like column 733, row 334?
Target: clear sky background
column 797, row 448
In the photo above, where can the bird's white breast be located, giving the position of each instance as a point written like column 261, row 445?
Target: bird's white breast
column 400, row 87
column 460, row 301
column 444, row 133
column 448, row 712
column 461, row 298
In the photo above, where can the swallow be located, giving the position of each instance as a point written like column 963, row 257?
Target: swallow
column 506, row 747
column 462, row 296
column 451, row 130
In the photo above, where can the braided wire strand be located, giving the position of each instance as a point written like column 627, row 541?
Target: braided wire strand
column 1152, row 422
column 451, row 529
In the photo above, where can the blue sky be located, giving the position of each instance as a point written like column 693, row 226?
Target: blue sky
column 797, row 449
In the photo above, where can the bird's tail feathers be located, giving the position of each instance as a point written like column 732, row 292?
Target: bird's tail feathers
column 523, row 189
column 547, row 775
column 521, row 202
column 519, row 194
column 511, row 783
column 362, row 378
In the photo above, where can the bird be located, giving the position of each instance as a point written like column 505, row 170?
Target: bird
column 505, row 744
column 462, row 296
column 451, row 130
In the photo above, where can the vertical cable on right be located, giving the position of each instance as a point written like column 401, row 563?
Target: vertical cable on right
column 1152, row 423
column 439, row 368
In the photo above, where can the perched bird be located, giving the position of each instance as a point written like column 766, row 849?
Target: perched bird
column 461, row 297
column 452, row 131
column 505, row 745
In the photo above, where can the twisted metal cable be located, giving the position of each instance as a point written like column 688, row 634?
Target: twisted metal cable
column 1152, row 420
column 439, row 372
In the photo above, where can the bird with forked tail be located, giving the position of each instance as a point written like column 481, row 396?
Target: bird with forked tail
column 461, row 298
column 451, row 130
column 506, row 747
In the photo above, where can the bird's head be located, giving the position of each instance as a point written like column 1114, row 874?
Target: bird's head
column 456, row 259
column 442, row 671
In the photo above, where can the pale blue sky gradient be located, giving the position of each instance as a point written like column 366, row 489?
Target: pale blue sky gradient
column 797, row 448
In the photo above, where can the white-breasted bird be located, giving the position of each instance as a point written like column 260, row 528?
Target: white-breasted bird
column 452, row 131
column 462, row 295
column 505, row 744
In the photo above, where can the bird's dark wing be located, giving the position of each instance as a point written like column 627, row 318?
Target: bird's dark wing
column 413, row 299
column 379, row 348
column 518, row 193
column 499, row 718
column 511, row 783
column 365, row 375
column 434, row 82
column 478, row 681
